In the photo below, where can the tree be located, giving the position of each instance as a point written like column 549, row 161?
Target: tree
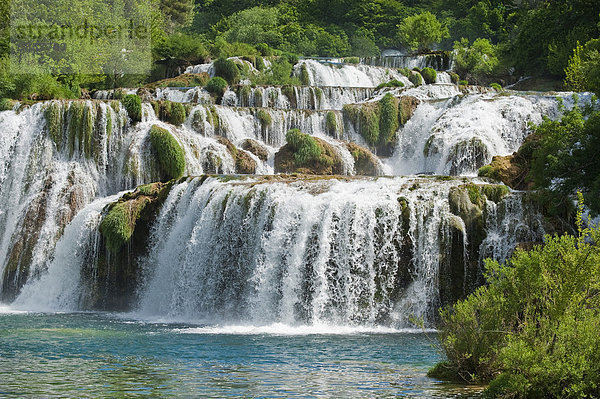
column 478, row 59
column 255, row 25
column 419, row 32
column 583, row 71
column 178, row 11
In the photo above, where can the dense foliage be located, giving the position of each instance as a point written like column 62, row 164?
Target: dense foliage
column 565, row 156
column 170, row 154
column 532, row 330
column 304, row 146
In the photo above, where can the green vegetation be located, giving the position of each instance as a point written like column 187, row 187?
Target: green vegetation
column 388, row 118
column 532, row 330
column 133, row 105
column 217, row 86
column 5, row 104
column 170, row 154
column 416, row 78
column 496, row 86
column 429, row 75
column 227, row 69
column 304, row 146
column 119, row 223
column 478, row 59
column 420, row 31
column 331, row 123
column 391, row 83
column 583, row 70
column 564, row 157
column 264, row 117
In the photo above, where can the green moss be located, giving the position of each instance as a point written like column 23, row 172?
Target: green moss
column 305, row 147
column 487, row 171
column 178, row 114
column 170, row 154
column 416, row 79
column 87, row 131
column 133, row 105
column 53, row 114
column 495, row 192
column 290, row 93
column 475, row 195
column 365, row 163
column 405, row 71
column 454, row 78
column 217, row 86
column 429, row 75
column 369, row 123
column 318, row 93
column 214, row 117
column 388, row 119
column 258, row 99
column 496, row 86
column 331, row 123
column 119, row 223
column 304, row 76
column 265, row 118
column 391, row 83
column 245, row 93
column 75, row 117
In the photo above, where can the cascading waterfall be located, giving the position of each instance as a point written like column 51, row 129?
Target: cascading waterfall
column 458, row 135
column 262, row 250
column 438, row 61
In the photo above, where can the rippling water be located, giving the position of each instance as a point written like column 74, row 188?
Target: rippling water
column 92, row 355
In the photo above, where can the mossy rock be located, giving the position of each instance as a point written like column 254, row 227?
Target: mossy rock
column 172, row 112
column 265, row 118
column 244, row 164
column 256, row 148
column 328, row 162
column 512, row 170
column 416, row 78
column 133, row 105
column 185, row 80
column 170, row 154
column 408, row 106
column 365, row 163
column 429, row 75
column 331, row 124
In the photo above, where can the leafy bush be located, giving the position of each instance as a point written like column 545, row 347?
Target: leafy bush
column 583, row 70
column 264, row 117
column 133, row 105
column 565, row 156
column 391, row 83
column 305, row 147
column 217, row 86
column 454, row 77
column 182, row 47
column 463, row 82
column 478, row 59
column 170, row 154
column 304, row 76
column 5, row 104
column 352, row 60
column 227, row 69
column 429, row 75
column 419, row 32
column 416, row 78
column 405, row 71
column 496, row 86
column 533, row 329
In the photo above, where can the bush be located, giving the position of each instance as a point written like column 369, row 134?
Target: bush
column 533, row 329
column 391, row 83
column 133, row 105
column 178, row 113
column 405, row 71
column 227, row 69
column 583, row 70
column 305, row 147
column 352, row 60
column 217, row 86
column 304, row 76
column 463, row 83
column 264, row 117
column 265, row 50
column 170, row 154
column 331, row 123
column 496, row 86
column 5, row 104
column 429, row 75
column 416, row 78
column 454, row 77
column 478, row 59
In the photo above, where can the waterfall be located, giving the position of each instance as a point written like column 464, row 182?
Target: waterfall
column 299, row 252
column 439, row 61
column 347, row 75
column 459, row 134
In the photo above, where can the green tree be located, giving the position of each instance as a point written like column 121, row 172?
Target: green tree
column 419, row 32
column 478, row 59
column 583, row 71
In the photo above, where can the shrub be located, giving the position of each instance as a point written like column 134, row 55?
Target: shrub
column 227, row 69
column 429, row 75
column 217, row 86
column 305, row 147
column 5, row 104
column 331, row 123
column 304, row 76
column 479, row 58
column 463, row 83
column 264, row 117
column 170, row 154
column 454, row 77
column 133, row 105
column 416, row 79
column 391, row 83
column 405, row 71
column 178, row 113
column 496, row 86
column 265, row 50
column 533, row 329
column 352, row 60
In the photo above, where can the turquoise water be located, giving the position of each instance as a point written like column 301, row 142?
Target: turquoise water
column 104, row 355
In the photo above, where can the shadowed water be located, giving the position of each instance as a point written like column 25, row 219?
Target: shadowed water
column 102, row 355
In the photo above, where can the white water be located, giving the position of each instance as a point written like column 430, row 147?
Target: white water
column 348, row 75
column 435, row 138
